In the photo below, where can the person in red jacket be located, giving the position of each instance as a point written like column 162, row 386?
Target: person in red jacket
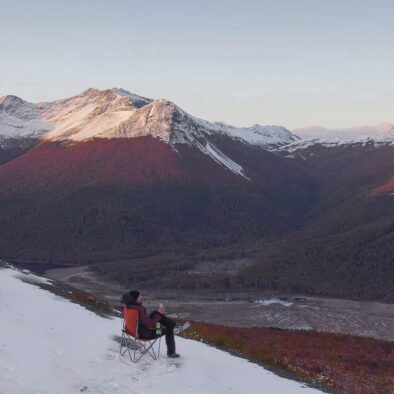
column 146, row 326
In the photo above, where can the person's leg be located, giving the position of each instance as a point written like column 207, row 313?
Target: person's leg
column 166, row 321
column 170, row 339
column 146, row 333
column 168, row 331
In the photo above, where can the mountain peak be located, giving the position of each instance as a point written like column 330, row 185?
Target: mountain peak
column 10, row 99
column 138, row 101
column 118, row 113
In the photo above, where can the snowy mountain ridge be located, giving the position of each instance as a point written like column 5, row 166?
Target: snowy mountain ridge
column 387, row 140
column 117, row 113
column 349, row 133
column 18, row 118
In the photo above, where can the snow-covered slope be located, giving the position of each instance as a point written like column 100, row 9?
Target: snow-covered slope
column 186, row 129
column 92, row 114
column 18, row 118
column 49, row 345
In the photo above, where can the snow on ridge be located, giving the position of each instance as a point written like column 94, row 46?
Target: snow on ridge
column 50, row 345
column 350, row 133
column 387, row 140
column 138, row 101
column 118, row 113
column 19, row 118
column 263, row 136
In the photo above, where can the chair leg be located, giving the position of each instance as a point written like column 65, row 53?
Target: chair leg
column 122, row 343
column 134, row 344
column 152, row 349
column 125, row 344
column 148, row 349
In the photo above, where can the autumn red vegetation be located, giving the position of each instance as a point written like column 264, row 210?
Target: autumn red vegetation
column 388, row 187
column 96, row 162
column 338, row 363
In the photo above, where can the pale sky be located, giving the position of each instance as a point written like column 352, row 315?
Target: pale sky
column 287, row 62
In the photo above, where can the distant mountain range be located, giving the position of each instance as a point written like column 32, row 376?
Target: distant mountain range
column 112, row 179
column 343, row 134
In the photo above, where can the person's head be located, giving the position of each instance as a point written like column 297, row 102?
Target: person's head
column 136, row 295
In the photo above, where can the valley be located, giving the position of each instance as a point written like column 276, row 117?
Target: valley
column 242, row 309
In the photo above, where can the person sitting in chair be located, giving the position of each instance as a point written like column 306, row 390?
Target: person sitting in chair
column 146, row 325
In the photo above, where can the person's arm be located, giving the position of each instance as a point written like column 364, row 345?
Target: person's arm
column 145, row 319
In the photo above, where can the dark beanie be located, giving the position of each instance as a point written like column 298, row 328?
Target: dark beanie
column 135, row 294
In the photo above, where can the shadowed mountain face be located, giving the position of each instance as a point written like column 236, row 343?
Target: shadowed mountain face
column 346, row 244
column 110, row 177
column 104, row 198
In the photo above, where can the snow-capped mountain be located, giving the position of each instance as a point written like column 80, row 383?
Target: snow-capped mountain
column 369, row 139
column 117, row 113
column 350, row 133
column 306, row 144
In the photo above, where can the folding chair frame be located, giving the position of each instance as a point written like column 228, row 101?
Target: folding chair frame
column 136, row 347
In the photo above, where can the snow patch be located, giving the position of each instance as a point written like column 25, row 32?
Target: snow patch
column 224, row 160
column 272, row 301
column 302, row 327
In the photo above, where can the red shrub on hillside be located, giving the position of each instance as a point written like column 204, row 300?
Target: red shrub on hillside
column 92, row 163
column 341, row 363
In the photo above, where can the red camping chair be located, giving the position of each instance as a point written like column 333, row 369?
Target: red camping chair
column 131, row 341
